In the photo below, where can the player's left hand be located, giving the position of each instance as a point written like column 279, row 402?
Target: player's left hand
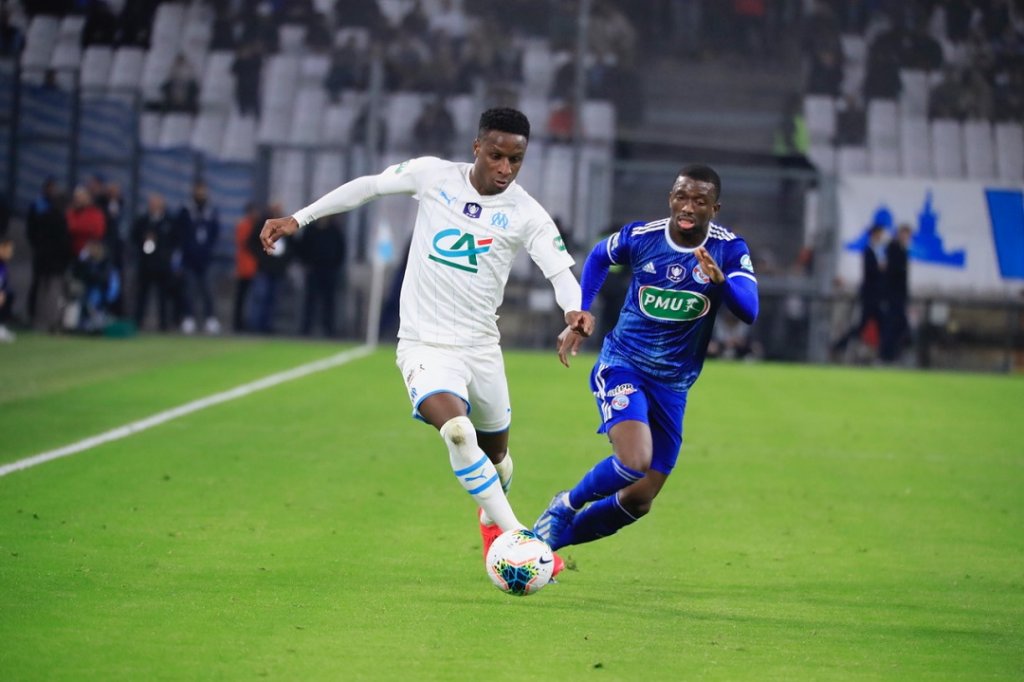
column 581, row 322
column 568, row 344
column 709, row 266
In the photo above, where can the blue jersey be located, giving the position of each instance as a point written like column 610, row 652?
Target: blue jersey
column 670, row 308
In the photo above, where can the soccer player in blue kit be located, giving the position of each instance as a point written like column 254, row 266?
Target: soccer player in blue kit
column 682, row 269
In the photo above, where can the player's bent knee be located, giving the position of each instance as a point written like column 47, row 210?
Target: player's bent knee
column 458, row 430
column 636, row 504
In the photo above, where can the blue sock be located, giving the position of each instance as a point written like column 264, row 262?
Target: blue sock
column 599, row 520
column 608, row 476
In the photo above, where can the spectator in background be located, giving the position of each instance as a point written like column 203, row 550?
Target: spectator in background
column 157, row 247
column 6, row 290
column 199, row 227
column 246, row 265
column 322, row 251
column 102, row 26
column 269, row 275
column 349, row 69
column 896, row 329
column 362, row 14
column 181, row 88
column 11, row 38
column 46, row 230
column 851, row 122
column 448, row 22
column 94, row 285
column 434, row 130
column 872, row 292
column 946, row 98
column 85, row 220
column 246, row 68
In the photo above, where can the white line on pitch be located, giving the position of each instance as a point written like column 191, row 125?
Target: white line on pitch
column 187, row 408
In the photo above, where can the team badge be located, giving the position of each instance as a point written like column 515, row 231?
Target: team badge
column 676, row 272
column 746, row 263
column 558, row 243
column 499, row 219
column 620, row 402
column 472, row 210
column 699, row 275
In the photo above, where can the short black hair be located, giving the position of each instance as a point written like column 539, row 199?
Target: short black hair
column 703, row 173
column 506, row 120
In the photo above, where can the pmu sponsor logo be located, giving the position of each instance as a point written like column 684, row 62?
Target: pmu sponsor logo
column 459, row 249
column 671, row 305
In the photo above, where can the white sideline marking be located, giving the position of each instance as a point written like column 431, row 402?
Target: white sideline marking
column 187, row 408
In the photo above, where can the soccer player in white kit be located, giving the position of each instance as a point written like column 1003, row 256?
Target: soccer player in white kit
column 472, row 221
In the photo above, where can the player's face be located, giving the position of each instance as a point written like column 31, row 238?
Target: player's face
column 693, row 206
column 498, row 159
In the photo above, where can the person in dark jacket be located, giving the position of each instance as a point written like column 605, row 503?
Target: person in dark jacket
column 896, row 328
column 157, row 246
column 322, row 252
column 872, row 290
column 199, row 225
column 47, row 231
column 271, row 269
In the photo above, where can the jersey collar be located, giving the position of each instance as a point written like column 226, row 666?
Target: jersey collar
column 683, row 249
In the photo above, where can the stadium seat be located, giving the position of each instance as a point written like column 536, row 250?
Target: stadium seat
column 313, row 69
column 239, row 138
column 126, row 70
column 96, row 64
column 1010, row 151
column 328, row 172
column 538, row 67
column 149, row 129
column 208, row 133
column 820, row 116
column 883, row 159
column 307, row 116
column 915, row 147
column 851, row 159
column 39, row 43
column 979, row 155
column 280, row 84
column 947, row 148
column 823, row 156
column 337, row 123
column 175, row 130
column 914, row 96
column 599, row 120
column 401, row 111
column 882, row 121
column 466, row 113
column 291, row 38
column 217, row 85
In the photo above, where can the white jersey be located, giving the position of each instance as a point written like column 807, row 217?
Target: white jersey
column 463, row 245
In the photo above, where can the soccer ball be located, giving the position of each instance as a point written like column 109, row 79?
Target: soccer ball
column 519, row 562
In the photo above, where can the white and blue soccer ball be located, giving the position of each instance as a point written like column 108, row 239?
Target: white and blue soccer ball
column 519, row 562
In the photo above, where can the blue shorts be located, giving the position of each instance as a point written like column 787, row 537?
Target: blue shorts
column 624, row 394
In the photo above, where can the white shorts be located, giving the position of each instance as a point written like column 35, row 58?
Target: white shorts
column 476, row 374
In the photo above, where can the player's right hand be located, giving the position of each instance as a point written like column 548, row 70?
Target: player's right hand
column 274, row 229
column 568, row 344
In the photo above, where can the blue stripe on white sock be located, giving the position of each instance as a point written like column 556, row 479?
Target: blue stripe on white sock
column 485, row 486
column 475, row 465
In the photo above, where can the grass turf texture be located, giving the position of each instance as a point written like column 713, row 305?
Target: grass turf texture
column 822, row 524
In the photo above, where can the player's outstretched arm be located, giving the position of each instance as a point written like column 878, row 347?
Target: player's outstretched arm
column 580, row 321
column 274, row 229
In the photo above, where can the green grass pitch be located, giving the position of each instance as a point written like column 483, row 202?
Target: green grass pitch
column 823, row 524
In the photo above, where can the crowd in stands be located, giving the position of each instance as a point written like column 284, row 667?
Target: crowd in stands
column 972, row 51
column 92, row 268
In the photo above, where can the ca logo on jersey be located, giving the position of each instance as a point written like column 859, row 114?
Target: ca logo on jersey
column 459, row 249
column 673, row 306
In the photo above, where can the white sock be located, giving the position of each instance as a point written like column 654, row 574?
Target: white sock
column 504, row 468
column 476, row 473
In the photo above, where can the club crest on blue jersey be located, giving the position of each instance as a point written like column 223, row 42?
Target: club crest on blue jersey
column 698, row 274
column 459, row 249
column 676, row 272
column 472, row 210
column 620, row 402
